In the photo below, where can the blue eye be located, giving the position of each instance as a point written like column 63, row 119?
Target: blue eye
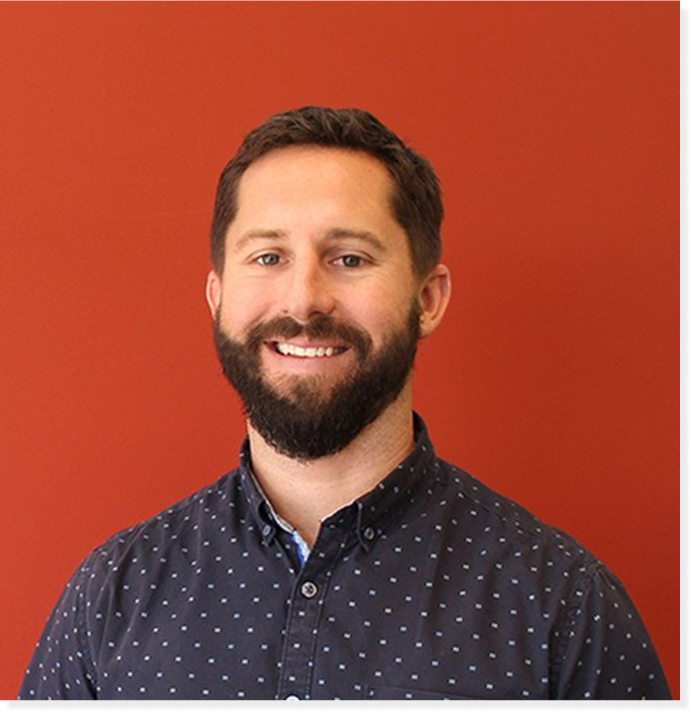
column 351, row 261
column 269, row 259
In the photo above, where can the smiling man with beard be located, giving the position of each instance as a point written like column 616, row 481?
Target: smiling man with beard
column 342, row 558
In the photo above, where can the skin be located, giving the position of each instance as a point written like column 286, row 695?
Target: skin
column 315, row 233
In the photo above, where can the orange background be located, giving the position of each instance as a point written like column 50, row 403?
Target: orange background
column 555, row 130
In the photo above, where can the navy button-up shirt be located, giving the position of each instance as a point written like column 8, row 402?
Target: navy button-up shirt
column 430, row 586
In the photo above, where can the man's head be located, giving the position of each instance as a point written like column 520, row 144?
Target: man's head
column 415, row 197
column 317, row 305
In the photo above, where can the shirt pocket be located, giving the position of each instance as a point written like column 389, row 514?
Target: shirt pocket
column 397, row 693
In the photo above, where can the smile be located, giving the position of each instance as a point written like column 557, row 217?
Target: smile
column 307, row 352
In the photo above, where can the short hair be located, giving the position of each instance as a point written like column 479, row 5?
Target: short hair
column 416, row 198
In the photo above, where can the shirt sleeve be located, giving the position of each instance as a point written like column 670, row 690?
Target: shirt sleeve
column 61, row 666
column 606, row 652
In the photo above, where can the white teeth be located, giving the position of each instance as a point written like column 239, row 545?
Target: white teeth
column 307, row 352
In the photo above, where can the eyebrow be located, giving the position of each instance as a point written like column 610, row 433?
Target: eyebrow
column 259, row 234
column 332, row 234
column 365, row 235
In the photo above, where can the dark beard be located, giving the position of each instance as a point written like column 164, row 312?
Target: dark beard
column 311, row 421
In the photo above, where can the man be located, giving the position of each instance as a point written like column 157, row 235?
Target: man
column 342, row 559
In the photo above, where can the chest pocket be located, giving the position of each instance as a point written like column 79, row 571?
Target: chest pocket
column 395, row 693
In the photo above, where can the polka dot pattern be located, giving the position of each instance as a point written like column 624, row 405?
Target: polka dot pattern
column 429, row 587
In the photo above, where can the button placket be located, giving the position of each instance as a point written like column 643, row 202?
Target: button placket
column 305, row 608
column 298, row 648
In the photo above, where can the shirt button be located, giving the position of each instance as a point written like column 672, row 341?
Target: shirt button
column 308, row 589
column 369, row 533
column 292, row 698
column 267, row 530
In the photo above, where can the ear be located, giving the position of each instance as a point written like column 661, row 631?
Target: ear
column 213, row 292
column 433, row 296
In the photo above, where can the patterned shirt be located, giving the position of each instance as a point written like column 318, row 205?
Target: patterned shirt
column 430, row 586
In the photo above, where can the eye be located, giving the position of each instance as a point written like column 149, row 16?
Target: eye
column 268, row 259
column 350, row 261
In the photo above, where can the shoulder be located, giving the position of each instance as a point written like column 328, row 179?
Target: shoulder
column 178, row 530
column 540, row 569
column 499, row 519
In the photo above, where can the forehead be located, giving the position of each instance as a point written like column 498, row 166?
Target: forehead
column 315, row 175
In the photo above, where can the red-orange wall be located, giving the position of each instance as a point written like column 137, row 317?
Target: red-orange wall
column 555, row 131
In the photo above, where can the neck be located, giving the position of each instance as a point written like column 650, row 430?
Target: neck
column 305, row 493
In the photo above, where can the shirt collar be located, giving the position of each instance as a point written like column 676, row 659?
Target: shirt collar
column 370, row 514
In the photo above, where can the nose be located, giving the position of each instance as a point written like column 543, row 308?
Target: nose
column 308, row 291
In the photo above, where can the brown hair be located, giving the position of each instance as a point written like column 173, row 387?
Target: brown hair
column 416, row 199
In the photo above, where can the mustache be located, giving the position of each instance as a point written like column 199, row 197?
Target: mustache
column 321, row 326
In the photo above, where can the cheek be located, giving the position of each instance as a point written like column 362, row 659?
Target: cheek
column 388, row 308
column 381, row 324
column 236, row 315
column 243, row 309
